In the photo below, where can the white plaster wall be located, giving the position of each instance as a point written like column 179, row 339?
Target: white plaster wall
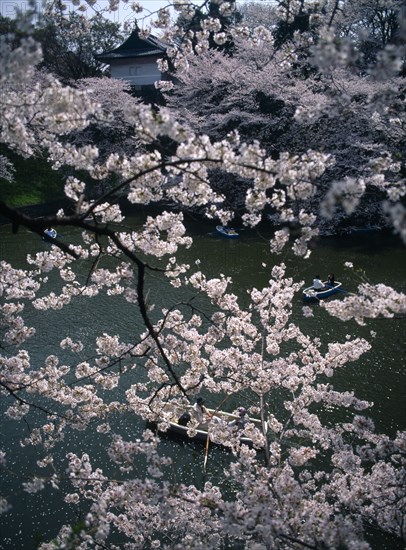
column 140, row 72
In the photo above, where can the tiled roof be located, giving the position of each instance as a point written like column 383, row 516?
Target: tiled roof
column 134, row 46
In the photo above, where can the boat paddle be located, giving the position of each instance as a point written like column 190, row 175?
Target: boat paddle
column 206, row 454
column 341, row 290
column 345, row 292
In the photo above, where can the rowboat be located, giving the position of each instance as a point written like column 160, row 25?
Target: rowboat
column 310, row 294
column 51, row 233
column 170, row 417
column 228, row 232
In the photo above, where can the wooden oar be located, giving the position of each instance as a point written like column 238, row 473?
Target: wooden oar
column 345, row 292
column 206, row 454
column 341, row 290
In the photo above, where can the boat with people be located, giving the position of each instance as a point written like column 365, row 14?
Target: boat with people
column 227, row 231
column 50, row 232
column 172, row 416
column 310, row 294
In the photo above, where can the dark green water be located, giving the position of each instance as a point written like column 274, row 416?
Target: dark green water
column 379, row 376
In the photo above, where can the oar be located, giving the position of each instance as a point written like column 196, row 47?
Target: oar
column 343, row 291
column 206, row 454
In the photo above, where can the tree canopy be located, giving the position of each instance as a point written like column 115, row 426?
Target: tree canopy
column 71, row 41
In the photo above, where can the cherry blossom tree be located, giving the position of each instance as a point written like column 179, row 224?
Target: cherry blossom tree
column 335, row 110
column 111, row 131
column 6, row 169
column 257, row 14
column 314, row 484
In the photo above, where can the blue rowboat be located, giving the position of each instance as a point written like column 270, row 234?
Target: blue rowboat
column 312, row 295
column 51, row 233
column 227, row 232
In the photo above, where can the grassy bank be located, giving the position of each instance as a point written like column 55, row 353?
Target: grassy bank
column 34, row 182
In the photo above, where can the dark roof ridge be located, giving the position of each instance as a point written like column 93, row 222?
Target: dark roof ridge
column 136, row 45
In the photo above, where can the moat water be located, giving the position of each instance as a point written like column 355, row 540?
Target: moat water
column 379, row 376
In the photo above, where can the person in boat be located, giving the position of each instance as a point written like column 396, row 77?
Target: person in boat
column 318, row 283
column 50, row 232
column 199, row 411
column 331, row 280
column 242, row 419
column 184, row 419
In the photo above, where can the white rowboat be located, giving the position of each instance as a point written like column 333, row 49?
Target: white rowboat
column 171, row 417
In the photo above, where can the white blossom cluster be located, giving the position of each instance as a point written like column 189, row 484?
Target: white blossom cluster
column 371, row 301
